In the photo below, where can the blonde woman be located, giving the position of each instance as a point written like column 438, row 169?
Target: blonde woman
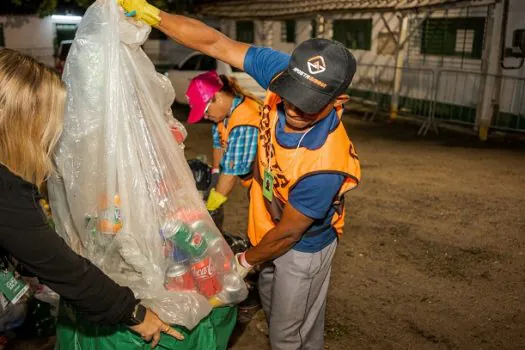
column 31, row 111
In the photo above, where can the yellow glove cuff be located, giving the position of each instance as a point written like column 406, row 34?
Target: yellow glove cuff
column 215, row 200
column 149, row 14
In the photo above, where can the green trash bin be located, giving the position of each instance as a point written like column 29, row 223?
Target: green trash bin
column 74, row 332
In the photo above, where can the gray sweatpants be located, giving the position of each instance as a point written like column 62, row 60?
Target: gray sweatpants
column 293, row 292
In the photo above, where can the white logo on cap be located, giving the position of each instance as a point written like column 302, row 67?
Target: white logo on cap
column 316, row 65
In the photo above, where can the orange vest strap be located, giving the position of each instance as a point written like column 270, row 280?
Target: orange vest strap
column 247, row 113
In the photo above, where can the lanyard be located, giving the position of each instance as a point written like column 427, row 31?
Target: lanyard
column 296, row 149
column 268, row 178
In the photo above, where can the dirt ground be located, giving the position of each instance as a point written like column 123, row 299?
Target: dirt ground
column 433, row 255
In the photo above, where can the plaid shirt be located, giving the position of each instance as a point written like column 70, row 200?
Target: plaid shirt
column 241, row 147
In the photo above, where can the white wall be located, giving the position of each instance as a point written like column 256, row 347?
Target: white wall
column 302, row 33
column 513, row 89
column 516, row 20
column 32, row 35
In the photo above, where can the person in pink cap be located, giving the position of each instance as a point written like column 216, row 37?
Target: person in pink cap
column 236, row 116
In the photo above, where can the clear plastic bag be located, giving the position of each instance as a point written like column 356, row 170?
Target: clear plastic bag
column 123, row 195
column 178, row 131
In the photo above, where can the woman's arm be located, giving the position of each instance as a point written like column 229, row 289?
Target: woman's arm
column 226, row 184
column 217, row 156
column 25, row 234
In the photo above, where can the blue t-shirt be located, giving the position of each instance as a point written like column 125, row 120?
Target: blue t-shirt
column 312, row 196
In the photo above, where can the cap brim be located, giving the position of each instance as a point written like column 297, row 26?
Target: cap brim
column 300, row 95
column 196, row 114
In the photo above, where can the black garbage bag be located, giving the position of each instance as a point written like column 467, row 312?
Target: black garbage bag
column 218, row 218
column 202, row 174
column 203, row 179
column 236, row 243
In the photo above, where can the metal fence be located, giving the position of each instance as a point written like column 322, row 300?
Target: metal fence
column 511, row 112
column 373, row 87
column 445, row 95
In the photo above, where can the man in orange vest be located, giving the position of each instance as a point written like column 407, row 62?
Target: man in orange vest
column 305, row 164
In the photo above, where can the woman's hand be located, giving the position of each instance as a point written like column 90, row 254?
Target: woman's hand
column 151, row 328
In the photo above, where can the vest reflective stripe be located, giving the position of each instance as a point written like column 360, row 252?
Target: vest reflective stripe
column 247, row 113
column 289, row 166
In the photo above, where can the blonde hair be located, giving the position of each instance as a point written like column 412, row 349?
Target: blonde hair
column 31, row 115
column 231, row 85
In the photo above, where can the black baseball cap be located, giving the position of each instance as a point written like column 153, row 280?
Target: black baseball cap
column 318, row 72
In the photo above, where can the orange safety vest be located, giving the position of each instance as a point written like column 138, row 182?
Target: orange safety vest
column 247, row 113
column 289, row 166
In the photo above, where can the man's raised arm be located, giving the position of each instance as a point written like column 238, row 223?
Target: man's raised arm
column 189, row 32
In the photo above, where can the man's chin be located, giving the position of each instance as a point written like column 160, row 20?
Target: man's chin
column 296, row 125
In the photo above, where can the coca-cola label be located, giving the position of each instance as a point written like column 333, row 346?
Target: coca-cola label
column 203, row 269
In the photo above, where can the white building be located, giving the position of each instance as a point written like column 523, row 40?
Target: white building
column 439, row 59
column 436, row 58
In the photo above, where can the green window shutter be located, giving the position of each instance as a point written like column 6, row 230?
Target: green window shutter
column 313, row 30
column 354, row 34
column 288, row 31
column 2, row 39
column 64, row 32
column 245, row 32
column 461, row 37
column 478, row 25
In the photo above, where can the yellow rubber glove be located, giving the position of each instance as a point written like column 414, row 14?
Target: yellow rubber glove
column 141, row 10
column 215, row 200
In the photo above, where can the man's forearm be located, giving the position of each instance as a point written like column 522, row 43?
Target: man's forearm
column 272, row 246
column 281, row 238
column 201, row 37
column 226, row 184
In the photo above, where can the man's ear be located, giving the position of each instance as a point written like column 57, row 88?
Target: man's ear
column 341, row 100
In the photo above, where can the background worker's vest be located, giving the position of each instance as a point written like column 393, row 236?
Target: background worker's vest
column 247, row 113
column 288, row 166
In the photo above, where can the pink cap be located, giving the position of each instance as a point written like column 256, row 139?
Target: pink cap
column 201, row 90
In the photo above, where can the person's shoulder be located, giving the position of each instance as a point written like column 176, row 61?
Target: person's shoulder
column 263, row 63
column 12, row 183
column 248, row 107
column 243, row 130
column 263, row 52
